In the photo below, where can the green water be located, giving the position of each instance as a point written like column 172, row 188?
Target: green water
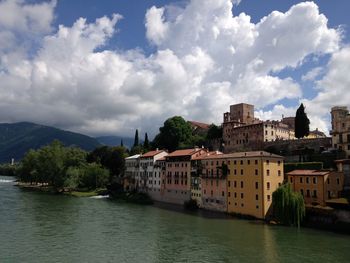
column 36, row 227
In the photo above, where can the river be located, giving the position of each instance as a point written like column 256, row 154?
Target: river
column 37, row 227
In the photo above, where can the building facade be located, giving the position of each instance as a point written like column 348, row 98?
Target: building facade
column 132, row 170
column 252, row 178
column 317, row 186
column 177, row 187
column 341, row 129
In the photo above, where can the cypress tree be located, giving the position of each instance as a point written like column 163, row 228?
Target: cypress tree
column 146, row 142
column 136, row 140
column 121, row 143
column 302, row 123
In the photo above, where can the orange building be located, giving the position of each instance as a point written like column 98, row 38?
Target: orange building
column 177, row 188
column 317, row 186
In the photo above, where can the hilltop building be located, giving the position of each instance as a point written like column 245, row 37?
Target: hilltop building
column 341, row 129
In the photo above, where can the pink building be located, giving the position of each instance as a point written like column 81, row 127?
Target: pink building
column 177, row 188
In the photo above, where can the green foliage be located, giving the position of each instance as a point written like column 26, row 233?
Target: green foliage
column 136, row 140
column 214, row 132
column 288, row 167
column 146, row 143
column 175, row 133
column 60, row 167
column 8, row 169
column 302, row 123
column 112, row 158
column 288, row 206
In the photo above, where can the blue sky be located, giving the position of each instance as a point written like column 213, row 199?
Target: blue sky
column 113, row 76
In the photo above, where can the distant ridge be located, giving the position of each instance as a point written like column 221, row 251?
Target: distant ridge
column 18, row 138
column 115, row 141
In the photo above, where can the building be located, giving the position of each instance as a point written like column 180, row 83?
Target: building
column 341, row 129
column 344, row 167
column 199, row 128
column 147, row 181
column 317, row 186
column 242, row 131
column 252, row 178
column 132, row 169
column 214, row 182
column 177, row 188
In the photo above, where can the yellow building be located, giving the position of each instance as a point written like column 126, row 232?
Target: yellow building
column 252, row 178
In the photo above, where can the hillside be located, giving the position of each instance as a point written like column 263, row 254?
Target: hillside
column 17, row 138
column 115, row 141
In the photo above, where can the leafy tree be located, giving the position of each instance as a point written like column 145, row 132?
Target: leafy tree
column 302, row 123
column 288, row 206
column 214, row 132
column 146, row 143
column 112, row 158
column 175, row 133
column 136, row 140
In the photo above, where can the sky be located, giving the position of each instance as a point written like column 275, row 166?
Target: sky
column 110, row 67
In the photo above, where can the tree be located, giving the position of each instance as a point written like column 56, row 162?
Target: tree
column 136, row 140
column 302, row 123
column 121, row 143
column 146, row 142
column 288, row 206
column 214, row 132
column 175, row 133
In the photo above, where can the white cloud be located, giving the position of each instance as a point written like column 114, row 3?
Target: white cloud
column 206, row 59
column 312, row 74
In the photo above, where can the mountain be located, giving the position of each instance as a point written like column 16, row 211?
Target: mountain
column 115, row 141
column 17, row 138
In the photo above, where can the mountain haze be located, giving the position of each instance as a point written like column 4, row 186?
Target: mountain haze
column 18, row 138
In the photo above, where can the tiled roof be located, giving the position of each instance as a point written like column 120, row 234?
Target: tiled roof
column 200, row 124
column 184, row 152
column 152, row 153
column 308, row 172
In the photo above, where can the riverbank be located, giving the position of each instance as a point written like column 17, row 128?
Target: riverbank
column 45, row 188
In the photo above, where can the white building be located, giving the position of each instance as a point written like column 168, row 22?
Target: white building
column 132, row 172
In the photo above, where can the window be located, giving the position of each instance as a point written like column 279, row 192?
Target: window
column 241, row 161
column 256, row 185
column 235, row 195
column 234, row 162
column 338, row 181
column 291, row 179
column 267, row 172
column 235, row 184
column 307, row 193
column 229, row 194
column 242, row 205
column 248, row 161
column 307, row 180
column 229, row 183
column 257, row 207
column 279, row 172
column 234, row 171
column 205, row 191
column 256, row 197
column 256, row 172
column 268, row 198
column 267, row 162
column 241, row 184
column 211, row 192
column 279, row 163
column 223, row 193
column 328, row 181
column 301, row 180
column 256, row 161
column 241, row 171
column 314, row 180
column 302, row 192
column 268, row 186
column 315, row 194
column 242, row 195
